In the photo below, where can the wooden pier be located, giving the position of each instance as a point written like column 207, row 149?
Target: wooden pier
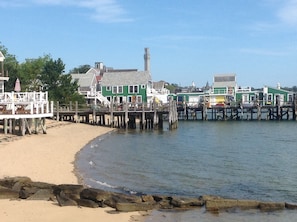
column 239, row 112
column 124, row 115
column 152, row 116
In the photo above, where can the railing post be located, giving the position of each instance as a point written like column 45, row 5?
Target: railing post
column 57, row 110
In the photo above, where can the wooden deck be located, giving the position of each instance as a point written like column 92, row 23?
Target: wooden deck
column 24, row 110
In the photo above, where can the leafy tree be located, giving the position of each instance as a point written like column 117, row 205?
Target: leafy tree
column 60, row 86
column 10, row 67
column 172, row 87
column 30, row 72
column 80, row 69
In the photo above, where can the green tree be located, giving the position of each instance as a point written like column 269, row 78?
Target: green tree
column 60, row 86
column 80, row 69
column 30, row 71
column 10, row 67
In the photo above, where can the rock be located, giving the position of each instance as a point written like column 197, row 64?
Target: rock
column 95, row 194
column 248, row 204
column 130, row 207
column 42, row 194
column 210, row 197
column 87, row 203
column 163, row 202
column 182, row 202
column 291, row 206
column 10, row 182
column 6, row 193
column 72, row 191
column 26, row 192
column 30, row 188
column 220, row 204
column 64, row 200
column 271, row 206
column 147, row 198
column 121, row 198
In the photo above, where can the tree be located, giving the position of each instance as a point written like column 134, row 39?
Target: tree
column 172, row 87
column 30, row 71
column 60, row 86
column 10, row 67
column 80, row 69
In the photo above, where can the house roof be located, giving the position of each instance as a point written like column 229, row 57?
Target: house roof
column 84, row 80
column 125, row 78
column 158, row 85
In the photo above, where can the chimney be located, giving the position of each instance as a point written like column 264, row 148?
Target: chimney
column 147, row 58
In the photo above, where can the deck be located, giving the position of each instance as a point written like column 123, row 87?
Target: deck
column 23, row 110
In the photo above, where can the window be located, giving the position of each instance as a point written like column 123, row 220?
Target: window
column 108, row 88
column 133, row 89
column 143, row 86
column 120, row 89
column 139, row 99
column 114, row 89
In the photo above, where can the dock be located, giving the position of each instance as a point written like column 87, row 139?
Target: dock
column 124, row 115
column 152, row 116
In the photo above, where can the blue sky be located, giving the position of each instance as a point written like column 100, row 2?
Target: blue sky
column 189, row 40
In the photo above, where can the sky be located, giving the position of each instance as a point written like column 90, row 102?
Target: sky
column 189, row 40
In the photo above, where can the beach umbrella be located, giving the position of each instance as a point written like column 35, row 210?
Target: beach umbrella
column 17, row 86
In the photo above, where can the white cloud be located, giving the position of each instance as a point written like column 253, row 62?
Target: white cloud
column 288, row 13
column 100, row 10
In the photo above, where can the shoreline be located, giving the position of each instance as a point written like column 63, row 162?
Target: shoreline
column 51, row 158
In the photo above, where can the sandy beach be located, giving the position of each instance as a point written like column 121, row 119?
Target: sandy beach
column 50, row 158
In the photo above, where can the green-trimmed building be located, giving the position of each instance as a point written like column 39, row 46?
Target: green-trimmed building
column 271, row 96
column 126, row 86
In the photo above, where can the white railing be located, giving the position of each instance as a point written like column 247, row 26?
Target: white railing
column 18, row 104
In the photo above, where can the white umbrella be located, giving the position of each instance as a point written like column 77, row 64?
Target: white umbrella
column 17, row 86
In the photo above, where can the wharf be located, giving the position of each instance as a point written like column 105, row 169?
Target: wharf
column 249, row 112
column 125, row 115
column 144, row 116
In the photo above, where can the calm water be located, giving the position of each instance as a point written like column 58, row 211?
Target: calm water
column 251, row 160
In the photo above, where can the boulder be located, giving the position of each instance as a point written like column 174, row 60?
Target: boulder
column 42, row 194
column 87, row 203
column 210, row 197
column 291, row 206
column 130, row 207
column 9, row 182
column 271, row 206
column 183, row 202
column 248, row 204
column 219, row 204
column 6, row 193
column 147, row 198
column 95, row 194
column 72, row 191
column 222, row 204
column 121, row 198
column 64, row 200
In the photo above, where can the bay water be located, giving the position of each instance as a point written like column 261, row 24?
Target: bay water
column 233, row 159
